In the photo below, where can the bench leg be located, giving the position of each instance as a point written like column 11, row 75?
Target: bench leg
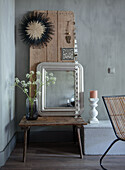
column 25, row 144
column 28, row 137
column 74, row 134
column 80, row 143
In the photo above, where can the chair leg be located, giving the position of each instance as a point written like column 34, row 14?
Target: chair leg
column 106, row 153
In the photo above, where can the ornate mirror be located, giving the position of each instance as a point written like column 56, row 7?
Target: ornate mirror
column 65, row 97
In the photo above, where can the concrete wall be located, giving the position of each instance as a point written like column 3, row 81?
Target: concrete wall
column 98, row 137
column 100, row 31
column 7, row 74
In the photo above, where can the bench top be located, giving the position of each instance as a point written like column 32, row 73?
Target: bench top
column 51, row 121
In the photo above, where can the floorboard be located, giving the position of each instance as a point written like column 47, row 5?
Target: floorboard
column 59, row 156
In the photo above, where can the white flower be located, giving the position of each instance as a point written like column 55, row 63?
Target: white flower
column 25, row 90
column 48, row 83
column 27, row 75
column 53, row 82
column 52, row 78
column 38, row 73
column 17, row 80
column 39, row 93
column 38, row 81
column 22, row 82
column 34, row 83
column 31, row 72
column 24, row 85
column 47, row 78
column 50, row 74
column 29, row 83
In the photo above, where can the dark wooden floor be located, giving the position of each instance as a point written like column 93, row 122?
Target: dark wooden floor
column 59, row 156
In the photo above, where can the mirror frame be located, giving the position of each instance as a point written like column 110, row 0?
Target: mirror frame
column 79, row 89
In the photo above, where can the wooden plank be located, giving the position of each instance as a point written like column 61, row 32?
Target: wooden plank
column 58, row 156
column 52, row 121
column 53, row 49
column 37, row 55
column 65, row 23
column 51, row 54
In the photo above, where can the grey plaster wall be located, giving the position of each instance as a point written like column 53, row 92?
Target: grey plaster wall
column 7, row 73
column 100, row 31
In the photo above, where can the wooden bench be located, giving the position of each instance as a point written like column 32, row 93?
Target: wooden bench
column 51, row 121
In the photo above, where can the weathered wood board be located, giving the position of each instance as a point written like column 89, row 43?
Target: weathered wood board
column 63, row 21
column 52, row 53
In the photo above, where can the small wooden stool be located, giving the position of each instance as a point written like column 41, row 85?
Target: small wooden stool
column 51, row 121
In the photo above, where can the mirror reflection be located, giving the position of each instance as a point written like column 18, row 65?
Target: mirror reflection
column 61, row 94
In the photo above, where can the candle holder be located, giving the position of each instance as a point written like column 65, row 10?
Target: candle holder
column 93, row 112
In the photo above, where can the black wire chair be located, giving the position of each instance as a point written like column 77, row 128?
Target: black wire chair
column 115, row 106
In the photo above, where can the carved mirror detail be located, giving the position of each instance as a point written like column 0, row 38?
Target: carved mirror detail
column 65, row 98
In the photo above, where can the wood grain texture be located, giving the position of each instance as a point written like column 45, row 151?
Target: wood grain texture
column 59, row 156
column 37, row 55
column 80, row 143
column 52, row 52
column 25, row 146
column 52, row 121
column 63, row 18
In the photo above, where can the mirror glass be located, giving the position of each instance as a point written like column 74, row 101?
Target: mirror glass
column 62, row 93
column 65, row 97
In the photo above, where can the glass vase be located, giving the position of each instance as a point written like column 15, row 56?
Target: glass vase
column 31, row 109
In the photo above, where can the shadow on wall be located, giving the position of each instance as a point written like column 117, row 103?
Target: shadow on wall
column 10, row 128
